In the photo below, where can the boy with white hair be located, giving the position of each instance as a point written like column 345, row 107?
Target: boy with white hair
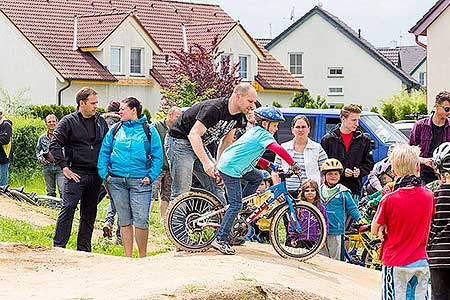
column 403, row 222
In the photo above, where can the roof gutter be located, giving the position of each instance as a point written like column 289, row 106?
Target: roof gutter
column 62, row 90
column 420, row 43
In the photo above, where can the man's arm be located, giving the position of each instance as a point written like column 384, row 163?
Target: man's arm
column 367, row 164
column 39, row 149
column 225, row 142
column 195, row 137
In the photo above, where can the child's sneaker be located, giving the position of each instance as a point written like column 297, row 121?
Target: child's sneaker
column 223, row 247
column 107, row 230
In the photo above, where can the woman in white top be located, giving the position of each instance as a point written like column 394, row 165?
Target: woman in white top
column 307, row 153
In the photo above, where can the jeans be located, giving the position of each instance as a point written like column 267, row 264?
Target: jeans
column 4, row 173
column 235, row 193
column 161, row 186
column 131, row 199
column 111, row 212
column 440, row 283
column 53, row 175
column 86, row 192
column 183, row 163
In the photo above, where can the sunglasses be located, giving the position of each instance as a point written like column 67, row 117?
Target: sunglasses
column 309, row 191
column 446, row 108
column 300, row 127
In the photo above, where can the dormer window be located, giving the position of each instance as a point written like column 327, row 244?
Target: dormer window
column 243, row 67
column 136, row 59
column 116, row 61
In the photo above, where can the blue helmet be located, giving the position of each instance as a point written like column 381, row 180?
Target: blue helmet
column 266, row 175
column 268, row 113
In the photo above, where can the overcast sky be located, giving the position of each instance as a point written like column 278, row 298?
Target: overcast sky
column 380, row 21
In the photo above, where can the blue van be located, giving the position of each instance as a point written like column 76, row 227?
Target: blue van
column 382, row 133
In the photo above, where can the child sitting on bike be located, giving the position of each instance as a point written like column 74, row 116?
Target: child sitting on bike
column 309, row 192
column 339, row 203
column 239, row 161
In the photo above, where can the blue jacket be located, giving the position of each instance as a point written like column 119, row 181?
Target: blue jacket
column 338, row 206
column 128, row 153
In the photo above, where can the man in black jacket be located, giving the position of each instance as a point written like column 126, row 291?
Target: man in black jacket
column 5, row 148
column 80, row 134
column 351, row 147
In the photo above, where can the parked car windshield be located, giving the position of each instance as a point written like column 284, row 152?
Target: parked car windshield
column 384, row 130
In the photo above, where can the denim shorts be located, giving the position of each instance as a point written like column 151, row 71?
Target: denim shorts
column 132, row 200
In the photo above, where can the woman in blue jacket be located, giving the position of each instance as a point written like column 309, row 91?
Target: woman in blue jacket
column 130, row 159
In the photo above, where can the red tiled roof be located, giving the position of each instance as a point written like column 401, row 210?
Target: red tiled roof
column 48, row 25
column 393, row 54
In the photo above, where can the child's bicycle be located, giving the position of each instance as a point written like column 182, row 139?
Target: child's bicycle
column 194, row 218
column 364, row 250
column 19, row 194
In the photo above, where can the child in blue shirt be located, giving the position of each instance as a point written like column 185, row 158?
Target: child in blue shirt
column 338, row 202
column 239, row 161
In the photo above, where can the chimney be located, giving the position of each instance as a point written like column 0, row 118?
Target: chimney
column 75, row 33
column 185, row 45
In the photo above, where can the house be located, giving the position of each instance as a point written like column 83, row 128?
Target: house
column 121, row 48
column 334, row 61
column 434, row 26
column 411, row 59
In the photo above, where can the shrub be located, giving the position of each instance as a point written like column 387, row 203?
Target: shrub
column 41, row 111
column 26, row 131
column 304, row 99
column 404, row 105
column 276, row 104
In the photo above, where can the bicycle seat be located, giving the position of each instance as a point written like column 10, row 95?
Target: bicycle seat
column 364, row 228
column 19, row 189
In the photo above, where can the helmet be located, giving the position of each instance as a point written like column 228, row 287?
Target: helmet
column 268, row 113
column 331, row 164
column 266, row 175
column 441, row 158
column 383, row 167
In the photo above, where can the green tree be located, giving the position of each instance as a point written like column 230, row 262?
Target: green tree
column 404, row 105
column 304, row 99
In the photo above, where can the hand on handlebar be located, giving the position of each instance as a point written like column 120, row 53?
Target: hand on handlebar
column 295, row 168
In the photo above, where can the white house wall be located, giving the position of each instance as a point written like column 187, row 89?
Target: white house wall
column 365, row 80
column 23, row 67
column 438, row 58
column 267, row 98
column 421, row 69
column 150, row 96
column 234, row 44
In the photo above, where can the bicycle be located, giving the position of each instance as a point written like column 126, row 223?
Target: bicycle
column 19, row 194
column 364, row 250
column 194, row 218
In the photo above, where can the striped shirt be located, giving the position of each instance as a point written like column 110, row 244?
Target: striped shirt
column 439, row 239
column 293, row 182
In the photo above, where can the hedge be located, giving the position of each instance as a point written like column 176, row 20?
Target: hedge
column 41, row 111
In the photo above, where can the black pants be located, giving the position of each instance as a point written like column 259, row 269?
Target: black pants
column 440, row 284
column 86, row 192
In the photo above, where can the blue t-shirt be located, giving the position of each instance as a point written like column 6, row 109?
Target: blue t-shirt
column 243, row 155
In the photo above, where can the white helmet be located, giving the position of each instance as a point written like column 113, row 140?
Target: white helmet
column 384, row 167
column 441, row 158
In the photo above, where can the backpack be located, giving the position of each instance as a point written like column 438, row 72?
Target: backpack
column 145, row 126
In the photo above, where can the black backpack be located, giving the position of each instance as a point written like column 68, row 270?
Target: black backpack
column 145, row 126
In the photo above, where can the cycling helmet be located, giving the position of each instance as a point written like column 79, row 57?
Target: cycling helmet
column 383, row 167
column 441, row 158
column 268, row 113
column 331, row 164
column 266, row 175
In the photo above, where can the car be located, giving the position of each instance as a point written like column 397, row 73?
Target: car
column 383, row 134
column 405, row 126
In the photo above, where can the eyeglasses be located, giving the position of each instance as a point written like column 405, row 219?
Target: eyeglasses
column 309, row 191
column 446, row 108
column 301, row 127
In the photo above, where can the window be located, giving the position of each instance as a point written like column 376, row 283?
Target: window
column 335, row 72
column 335, row 91
column 116, row 60
column 422, row 78
column 136, row 61
column 296, row 63
column 243, row 67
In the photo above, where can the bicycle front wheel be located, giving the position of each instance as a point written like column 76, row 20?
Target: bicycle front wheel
column 192, row 221
column 370, row 256
column 299, row 245
column 22, row 197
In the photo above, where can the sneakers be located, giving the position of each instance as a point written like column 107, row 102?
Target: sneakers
column 223, row 247
column 118, row 241
column 107, row 230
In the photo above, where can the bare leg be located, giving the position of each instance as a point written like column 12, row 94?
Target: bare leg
column 126, row 233
column 142, row 240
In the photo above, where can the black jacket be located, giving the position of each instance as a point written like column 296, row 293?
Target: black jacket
column 359, row 155
column 5, row 138
column 79, row 153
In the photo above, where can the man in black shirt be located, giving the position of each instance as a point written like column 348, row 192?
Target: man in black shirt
column 80, row 134
column 204, row 123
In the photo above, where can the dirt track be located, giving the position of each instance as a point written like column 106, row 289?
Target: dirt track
column 256, row 272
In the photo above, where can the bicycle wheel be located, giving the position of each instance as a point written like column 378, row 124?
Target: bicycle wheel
column 49, row 201
column 371, row 260
column 304, row 245
column 182, row 227
column 22, row 197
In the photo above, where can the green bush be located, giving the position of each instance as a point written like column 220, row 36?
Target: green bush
column 26, row 131
column 404, row 105
column 276, row 104
column 304, row 99
column 41, row 111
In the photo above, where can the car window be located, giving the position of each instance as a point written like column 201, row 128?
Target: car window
column 384, row 130
column 330, row 123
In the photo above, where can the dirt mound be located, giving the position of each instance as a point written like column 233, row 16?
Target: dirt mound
column 24, row 212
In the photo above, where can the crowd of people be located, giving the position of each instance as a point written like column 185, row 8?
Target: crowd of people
column 120, row 154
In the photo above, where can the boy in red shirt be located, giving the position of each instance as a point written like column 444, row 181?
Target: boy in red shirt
column 403, row 222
